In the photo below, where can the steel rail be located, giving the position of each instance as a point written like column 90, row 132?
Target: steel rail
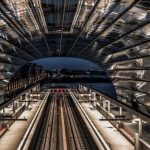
column 71, row 139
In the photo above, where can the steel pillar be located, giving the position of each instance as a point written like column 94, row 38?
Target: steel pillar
column 136, row 141
column 140, row 127
column 26, row 99
column 104, row 105
column 3, row 111
column 120, row 111
column 108, row 106
column 13, row 107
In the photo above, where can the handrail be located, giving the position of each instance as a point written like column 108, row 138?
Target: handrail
column 100, row 138
column 24, row 144
column 145, row 143
column 121, row 104
column 5, row 103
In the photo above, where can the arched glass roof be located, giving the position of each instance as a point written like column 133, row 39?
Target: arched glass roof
column 112, row 33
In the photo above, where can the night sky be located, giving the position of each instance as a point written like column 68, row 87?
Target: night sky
column 67, row 63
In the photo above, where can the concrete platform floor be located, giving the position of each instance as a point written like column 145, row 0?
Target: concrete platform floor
column 12, row 138
column 114, row 138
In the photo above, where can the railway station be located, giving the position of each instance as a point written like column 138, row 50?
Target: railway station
column 74, row 75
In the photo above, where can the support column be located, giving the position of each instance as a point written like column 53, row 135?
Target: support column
column 38, row 87
column 4, row 111
column 79, row 87
column 120, row 111
column 13, row 107
column 140, row 127
column 100, row 98
column 90, row 92
column 94, row 98
column 29, row 97
column 108, row 106
column 136, row 141
column 20, row 99
column 39, row 96
column 26, row 99
column 89, row 96
column 104, row 105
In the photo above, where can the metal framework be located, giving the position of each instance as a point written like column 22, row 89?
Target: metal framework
column 112, row 33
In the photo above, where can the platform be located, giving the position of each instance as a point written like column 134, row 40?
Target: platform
column 110, row 134
column 11, row 139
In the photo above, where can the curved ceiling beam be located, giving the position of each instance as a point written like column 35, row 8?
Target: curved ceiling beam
column 118, row 17
column 31, row 5
column 85, row 23
column 10, row 56
column 62, row 26
column 80, row 2
column 18, row 30
column 22, row 51
column 122, row 36
column 125, row 49
column 112, row 7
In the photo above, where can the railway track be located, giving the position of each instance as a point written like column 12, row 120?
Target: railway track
column 61, row 127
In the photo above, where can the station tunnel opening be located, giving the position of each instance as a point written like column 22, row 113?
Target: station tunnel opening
column 73, row 71
column 66, row 72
